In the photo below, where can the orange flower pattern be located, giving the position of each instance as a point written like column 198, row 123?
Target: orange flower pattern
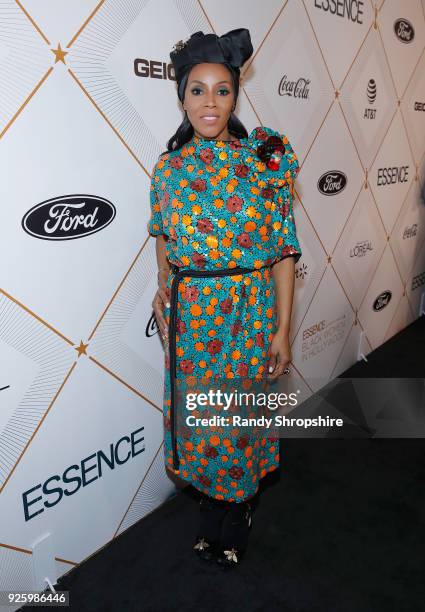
column 220, row 206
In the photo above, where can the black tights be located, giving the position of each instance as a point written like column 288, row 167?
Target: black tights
column 224, row 518
column 213, row 510
column 222, row 503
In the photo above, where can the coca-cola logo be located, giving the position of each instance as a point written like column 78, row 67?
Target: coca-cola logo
column 382, row 300
column 404, row 31
column 151, row 327
column 298, row 89
column 68, row 217
column 332, row 182
column 418, row 281
column 410, row 232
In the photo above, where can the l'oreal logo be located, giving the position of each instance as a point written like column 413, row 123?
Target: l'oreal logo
column 68, row 217
column 382, row 300
column 332, row 182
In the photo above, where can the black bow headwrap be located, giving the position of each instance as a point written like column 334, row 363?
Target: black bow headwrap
column 233, row 49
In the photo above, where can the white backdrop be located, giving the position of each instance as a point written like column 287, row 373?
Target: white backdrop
column 87, row 103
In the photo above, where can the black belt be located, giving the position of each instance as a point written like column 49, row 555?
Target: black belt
column 179, row 273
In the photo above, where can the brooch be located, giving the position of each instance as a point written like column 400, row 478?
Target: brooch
column 271, row 152
column 179, row 45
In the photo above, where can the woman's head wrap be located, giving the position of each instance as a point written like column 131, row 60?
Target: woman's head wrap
column 232, row 49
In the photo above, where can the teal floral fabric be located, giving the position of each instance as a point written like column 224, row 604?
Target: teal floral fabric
column 219, row 206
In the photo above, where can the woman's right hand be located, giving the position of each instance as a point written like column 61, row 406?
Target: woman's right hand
column 160, row 300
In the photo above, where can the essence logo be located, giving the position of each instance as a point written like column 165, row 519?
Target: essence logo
column 351, row 10
column 151, row 327
column 404, row 31
column 68, row 217
column 332, row 182
column 382, row 300
column 50, row 492
column 314, row 329
column 391, row 175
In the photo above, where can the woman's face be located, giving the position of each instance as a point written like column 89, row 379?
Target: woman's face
column 208, row 100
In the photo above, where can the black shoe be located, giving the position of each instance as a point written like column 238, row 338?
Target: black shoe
column 235, row 532
column 212, row 513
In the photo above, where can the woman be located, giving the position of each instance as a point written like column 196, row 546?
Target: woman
column 221, row 209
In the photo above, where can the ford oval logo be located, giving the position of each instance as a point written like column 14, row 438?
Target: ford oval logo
column 68, row 217
column 404, row 31
column 332, row 182
column 382, row 300
column 151, row 327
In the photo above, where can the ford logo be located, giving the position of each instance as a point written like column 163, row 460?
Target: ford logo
column 332, row 182
column 382, row 300
column 151, row 327
column 68, row 217
column 404, row 31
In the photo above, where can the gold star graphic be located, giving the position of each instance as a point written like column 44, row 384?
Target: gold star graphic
column 59, row 54
column 81, row 350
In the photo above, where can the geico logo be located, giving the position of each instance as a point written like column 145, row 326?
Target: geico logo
column 153, row 69
column 314, row 329
column 51, row 491
column 386, row 176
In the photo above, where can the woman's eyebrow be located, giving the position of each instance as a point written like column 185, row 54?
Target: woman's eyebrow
column 202, row 83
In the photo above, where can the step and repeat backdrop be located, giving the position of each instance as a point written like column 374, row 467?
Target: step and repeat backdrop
column 87, row 103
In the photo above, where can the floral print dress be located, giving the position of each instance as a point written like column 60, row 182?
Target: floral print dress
column 219, row 206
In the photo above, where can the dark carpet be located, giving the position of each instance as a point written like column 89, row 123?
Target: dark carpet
column 340, row 527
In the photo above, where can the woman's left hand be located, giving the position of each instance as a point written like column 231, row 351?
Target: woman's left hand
column 279, row 354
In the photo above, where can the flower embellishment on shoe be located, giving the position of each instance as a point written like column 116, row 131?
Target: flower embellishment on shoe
column 231, row 554
column 271, row 152
column 201, row 545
